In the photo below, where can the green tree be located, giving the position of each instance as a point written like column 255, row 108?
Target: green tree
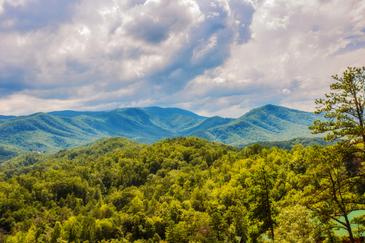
column 343, row 107
column 296, row 224
column 330, row 190
column 72, row 229
column 260, row 197
column 88, row 229
column 57, row 233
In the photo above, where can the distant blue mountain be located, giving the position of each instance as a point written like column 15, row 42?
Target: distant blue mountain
column 266, row 123
column 3, row 118
column 62, row 129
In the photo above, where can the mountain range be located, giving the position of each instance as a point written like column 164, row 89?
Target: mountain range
column 62, row 129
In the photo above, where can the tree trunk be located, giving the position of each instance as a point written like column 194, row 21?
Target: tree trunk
column 349, row 229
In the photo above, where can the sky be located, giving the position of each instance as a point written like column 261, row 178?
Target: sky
column 217, row 57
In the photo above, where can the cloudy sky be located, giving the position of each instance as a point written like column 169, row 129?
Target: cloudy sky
column 214, row 57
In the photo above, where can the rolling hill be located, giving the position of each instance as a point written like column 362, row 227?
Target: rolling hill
column 62, row 129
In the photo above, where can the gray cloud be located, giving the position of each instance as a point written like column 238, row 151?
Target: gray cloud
column 111, row 44
column 12, row 80
column 31, row 15
column 211, row 56
column 354, row 42
column 208, row 43
column 154, row 21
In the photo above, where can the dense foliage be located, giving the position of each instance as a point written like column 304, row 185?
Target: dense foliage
column 181, row 190
column 344, row 107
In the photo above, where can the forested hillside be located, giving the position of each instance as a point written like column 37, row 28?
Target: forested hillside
column 56, row 130
column 266, row 123
column 182, row 190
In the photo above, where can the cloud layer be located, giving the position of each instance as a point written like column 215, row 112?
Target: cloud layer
column 214, row 57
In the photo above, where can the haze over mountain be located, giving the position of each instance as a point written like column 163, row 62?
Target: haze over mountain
column 62, row 129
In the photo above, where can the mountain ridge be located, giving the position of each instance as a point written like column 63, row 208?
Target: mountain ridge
column 57, row 130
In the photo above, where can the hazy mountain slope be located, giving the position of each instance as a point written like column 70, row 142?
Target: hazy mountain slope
column 5, row 118
column 208, row 123
column 7, row 152
column 62, row 129
column 2, row 118
column 267, row 123
column 173, row 119
column 41, row 132
column 142, row 124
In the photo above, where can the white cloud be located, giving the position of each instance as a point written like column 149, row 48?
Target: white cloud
column 214, row 57
column 106, row 46
column 295, row 47
column 23, row 104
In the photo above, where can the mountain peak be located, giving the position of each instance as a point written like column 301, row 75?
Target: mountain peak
column 271, row 106
column 271, row 109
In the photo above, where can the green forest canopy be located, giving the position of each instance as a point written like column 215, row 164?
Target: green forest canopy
column 180, row 190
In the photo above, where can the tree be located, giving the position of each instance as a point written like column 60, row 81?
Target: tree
column 296, row 224
column 260, row 197
column 330, row 190
column 343, row 108
column 57, row 232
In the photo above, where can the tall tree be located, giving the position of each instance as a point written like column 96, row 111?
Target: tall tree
column 330, row 190
column 343, row 107
column 260, row 198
